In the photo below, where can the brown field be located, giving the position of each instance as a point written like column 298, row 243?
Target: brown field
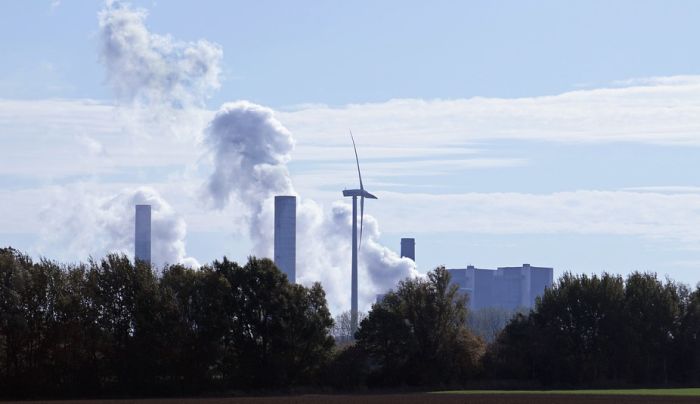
column 400, row 398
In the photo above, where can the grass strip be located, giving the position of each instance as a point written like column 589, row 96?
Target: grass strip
column 689, row 392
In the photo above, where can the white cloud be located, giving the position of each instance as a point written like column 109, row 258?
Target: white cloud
column 155, row 69
column 51, row 139
column 250, row 149
column 666, row 189
column 646, row 214
column 162, row 83
column 660, row 111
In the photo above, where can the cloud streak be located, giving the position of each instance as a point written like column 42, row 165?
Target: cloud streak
column 657, row 111
column 668, row 216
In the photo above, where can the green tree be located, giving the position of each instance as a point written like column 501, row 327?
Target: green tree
column 579, row 322
column 652, row 312
column 599, row 330
column 194, row 321
column 15, row 328
column 417, row 335
column 280, row 333
column 687, row 345
column 512, row 356
column 572, row 337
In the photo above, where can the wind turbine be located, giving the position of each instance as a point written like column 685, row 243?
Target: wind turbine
column 362, row 194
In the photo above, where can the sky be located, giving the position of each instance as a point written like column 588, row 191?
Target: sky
column 497, row 133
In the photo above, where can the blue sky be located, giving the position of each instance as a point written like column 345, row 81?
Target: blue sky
column 285, row 53
column 555, row 133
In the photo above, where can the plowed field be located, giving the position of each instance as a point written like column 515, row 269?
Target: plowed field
column 407, row 399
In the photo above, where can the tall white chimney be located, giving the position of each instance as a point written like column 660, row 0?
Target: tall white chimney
column 142, row 234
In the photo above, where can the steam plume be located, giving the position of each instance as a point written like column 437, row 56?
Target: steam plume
column 250, row 150
column 151, row 68
column 95, row 225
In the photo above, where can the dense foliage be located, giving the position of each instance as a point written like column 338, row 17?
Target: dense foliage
column 603, row 330
column 110, row 327
column 418, row 335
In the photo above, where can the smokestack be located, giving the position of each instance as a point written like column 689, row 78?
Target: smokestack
column 408, row 248
column 286, row 235
column 142, row 234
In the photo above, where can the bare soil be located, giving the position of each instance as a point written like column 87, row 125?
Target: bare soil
column 398, row 398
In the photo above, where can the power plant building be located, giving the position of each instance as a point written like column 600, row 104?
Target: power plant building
column 286, row 236
column 408, row 248
column 142, row 234
column 506, row 287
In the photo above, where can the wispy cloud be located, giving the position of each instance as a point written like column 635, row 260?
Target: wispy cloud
column 661, row 110
column 666, row 189
column 52, row 139
column 646, row 214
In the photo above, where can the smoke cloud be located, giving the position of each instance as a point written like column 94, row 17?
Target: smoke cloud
column 151, row 68
column 250, row 149
column 161, row 83
column 94, row 224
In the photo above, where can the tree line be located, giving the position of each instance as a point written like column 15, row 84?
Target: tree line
column 111, row 328
column 604, row 331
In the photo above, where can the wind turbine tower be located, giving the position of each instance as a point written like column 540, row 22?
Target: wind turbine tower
column 362, row 194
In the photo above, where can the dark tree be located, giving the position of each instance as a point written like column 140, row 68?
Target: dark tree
column 652, row 310
column 418, row 335
column 111, row 327
column 687, row 346
column 597, row 331
column 280, row 332
column 513, row 354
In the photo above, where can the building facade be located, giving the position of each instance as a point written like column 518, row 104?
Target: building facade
column 506, row 287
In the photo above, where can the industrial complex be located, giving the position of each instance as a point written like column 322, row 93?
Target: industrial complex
column 509, row 288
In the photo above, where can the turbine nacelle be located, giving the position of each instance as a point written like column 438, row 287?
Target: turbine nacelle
column 358, row 192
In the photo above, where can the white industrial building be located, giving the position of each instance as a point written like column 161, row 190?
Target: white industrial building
column 506, row 287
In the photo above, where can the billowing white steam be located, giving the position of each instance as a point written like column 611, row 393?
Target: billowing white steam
column 151, row 68
column 94, row 225
column 158, row 81
column 249, row 169
column 161, row 83
column 250, row 149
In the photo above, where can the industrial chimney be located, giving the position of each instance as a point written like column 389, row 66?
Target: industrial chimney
column 285, row 235
column 408, row 248
column 142, row 234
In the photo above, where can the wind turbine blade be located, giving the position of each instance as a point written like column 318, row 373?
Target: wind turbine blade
column 362, row 218
column 357, row 159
